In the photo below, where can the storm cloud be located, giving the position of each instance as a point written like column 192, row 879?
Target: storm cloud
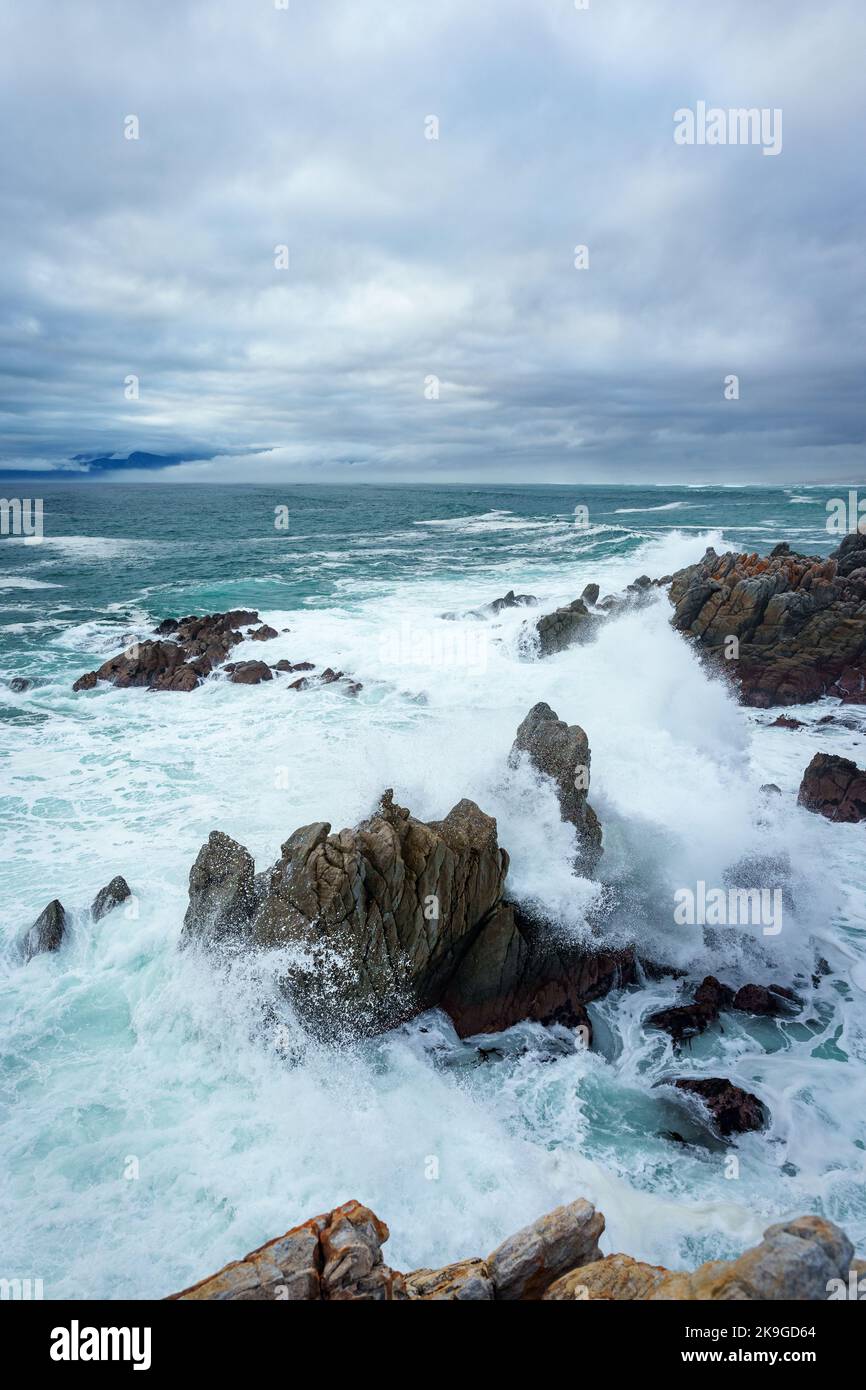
column 431, row 323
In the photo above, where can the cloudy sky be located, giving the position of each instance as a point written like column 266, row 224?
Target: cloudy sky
column 413, row 258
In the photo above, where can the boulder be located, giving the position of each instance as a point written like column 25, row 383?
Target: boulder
column 733, row 1110
column 263, row 633
column 394, row 917
column 525, row 1265
column 110, row 897
column 616, row 1278
column 564, row 627
column 47, row 931
column 795, row 1261
column 834, row 787
column 198, row 645
column 467, row 1281
column 249, row 672
column 561, row 752
column 800, row 621
column 769, row 1001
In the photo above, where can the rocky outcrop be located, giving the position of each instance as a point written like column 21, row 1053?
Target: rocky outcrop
column 394, row 917
column 561, row 752
column 110, row 897
column 47, row 931
column 800, row 621
column 198, row 645
column 565, row 627
column 489, row 610
column 733, row 1110
column 834, row 787
column 337, row 1257
column 685, row 1021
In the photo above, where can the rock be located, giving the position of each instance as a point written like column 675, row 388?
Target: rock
column 110, row 897
column 526, row 1264
column 564, row 627
column 336, row 1257
column 47, row 931
column 617, row 1278
column 834, row 787
column 683, row 1021
column 465, row 1281
column 768, row 1002
column 300, row 684
column 249, row 672
column 734, row 1111
column 711, row 991
column 785, row 722
column 512, row 600
column 263, row 633
column 795, row 1261
column 353, row 688
column 198, row 645
column 771, row 789
column 397, row 916
column 590, row 594
column 561, row 752
column 18, row 684
column 222, row 896
column 800, row 621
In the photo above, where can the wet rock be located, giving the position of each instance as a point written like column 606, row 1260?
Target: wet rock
column 784, row 721
column 47, row 931
column 800, row 621
column 263, row 633
column 561, row 752
column 711, row 991
column 353, row 688
column 834, row 787
column 564, row 627
column 222, row 896
column 771, row 789
column 590, row 594
column 683, row 1021
column 766, row 1001
column 18, row 684
column 396, row 916
column 249, row 672
column 512, row 600
column 110, row 897
column 525, row 1265
column 302, row 683
column 198, row 646
column 734, row 1111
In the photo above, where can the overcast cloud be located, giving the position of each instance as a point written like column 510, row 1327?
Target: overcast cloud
column 411, row 258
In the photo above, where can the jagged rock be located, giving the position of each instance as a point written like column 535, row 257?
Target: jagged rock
column 686, row 1021
column 800, row 621
column 734, row 1110
column 525, row 1265
column 486, row 610
column 834, row 787
column 564, row 627
column 561, row 752
column 336, row 1257
column 47, row 931
column 198, row 645
column 222, row 895
column 616, row 1278
column 590, row 594
column 110, row 897
column 397, row 916
column 784, row 721
column 795, row 1261
column 465, row 1281
column 249, row 672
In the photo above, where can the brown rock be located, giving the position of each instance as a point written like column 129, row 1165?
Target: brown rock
column 249, row 672
column 465, row 1281
column 834, row 787
column 734, row 1111
column 616, row 1278
column 561, row 752
column 263, row 633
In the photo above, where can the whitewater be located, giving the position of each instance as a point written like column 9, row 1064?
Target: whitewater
column 160, row 1114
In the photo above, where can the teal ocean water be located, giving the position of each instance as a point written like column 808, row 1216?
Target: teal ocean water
column 156, row 1122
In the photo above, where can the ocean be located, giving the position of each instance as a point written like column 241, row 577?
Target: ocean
column 161, row 1113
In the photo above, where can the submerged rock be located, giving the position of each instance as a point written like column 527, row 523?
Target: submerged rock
column 799, row 620
column 110, row 897
column 734, row 1111
column 47, row 931
column 834, row 787
column 561, row 752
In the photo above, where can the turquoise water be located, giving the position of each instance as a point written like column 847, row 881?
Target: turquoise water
column 155, row 1122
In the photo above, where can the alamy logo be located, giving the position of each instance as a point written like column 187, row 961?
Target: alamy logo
column 736, row 125
column 846, row 518
column 77, row 1343
column 734, row 907
column 21, row 516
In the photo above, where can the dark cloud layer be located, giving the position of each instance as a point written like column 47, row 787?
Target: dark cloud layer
column 412, row 258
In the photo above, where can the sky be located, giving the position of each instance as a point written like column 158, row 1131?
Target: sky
column 431, row 324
